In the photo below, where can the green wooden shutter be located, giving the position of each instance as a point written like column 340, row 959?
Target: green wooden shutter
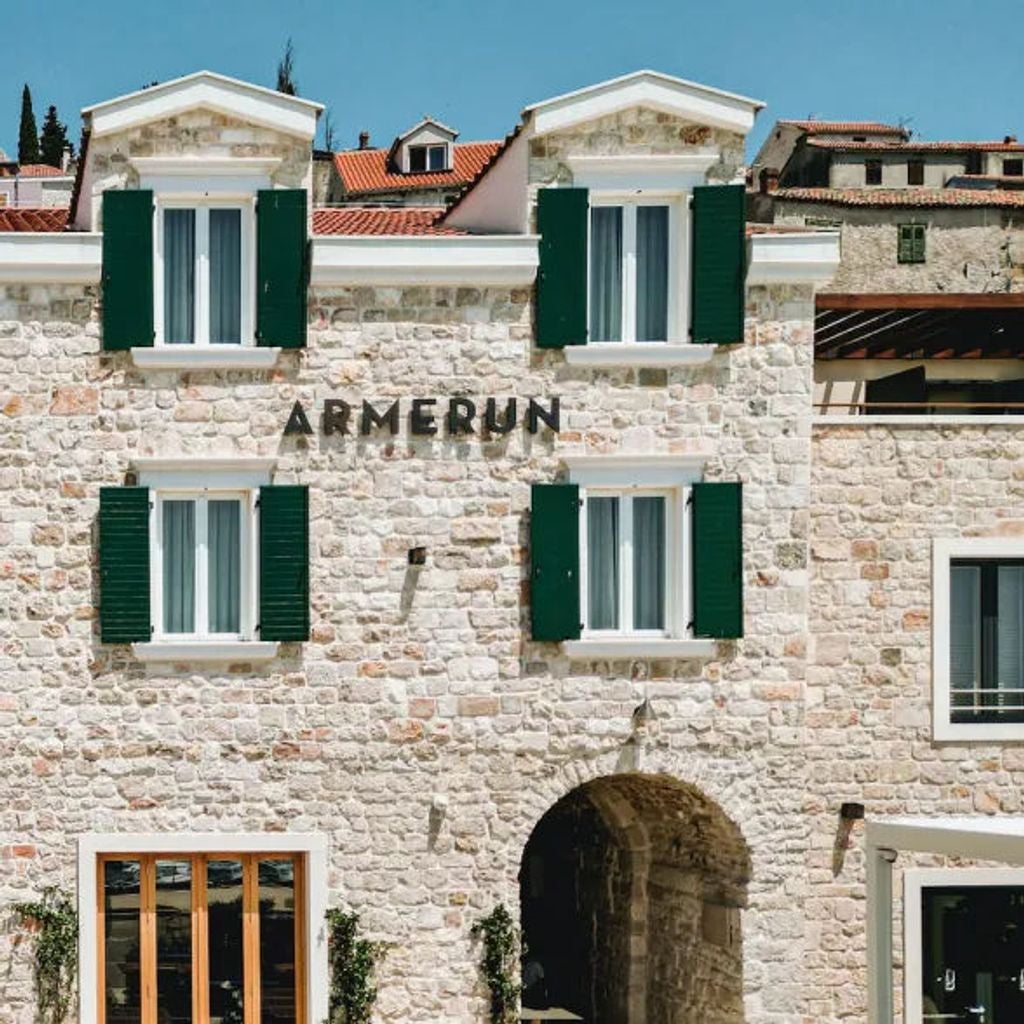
column 555, row 562
column 562, row 277
column 717, row 527
column 719, row 264
column 284, row 563
column 282, row 268
column 127, row 269
column 911, row 244
column 124, row 564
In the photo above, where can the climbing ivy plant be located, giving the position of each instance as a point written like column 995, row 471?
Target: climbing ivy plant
column 53, row 922
column 499, row 963
column 353, row 964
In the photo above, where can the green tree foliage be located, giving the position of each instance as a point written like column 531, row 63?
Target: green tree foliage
column 499, row 964
column 286, row 72
column 53, row 923
column 53, row 140
column 353, row 961
column 28, row 132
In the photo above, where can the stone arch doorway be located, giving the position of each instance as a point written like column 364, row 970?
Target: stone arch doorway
column 630, row 894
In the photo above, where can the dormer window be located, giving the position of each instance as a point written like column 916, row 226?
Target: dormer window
column 428, row 158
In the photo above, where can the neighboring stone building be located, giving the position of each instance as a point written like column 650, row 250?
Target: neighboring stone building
column 34, row 185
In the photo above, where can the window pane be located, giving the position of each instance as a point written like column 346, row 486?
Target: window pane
column 606, row 273
column 652, row 273
column 226, row 277
column 179, row 276
column 121, row 906
column 1010, row 634
column 174, row 941
column 224, row 913
column 964, row 633
column 179, row 566
column 417, row 158
column 649, row 563
column 437, row 158
column 603, row 563
column 277, row 941
column 225, row 545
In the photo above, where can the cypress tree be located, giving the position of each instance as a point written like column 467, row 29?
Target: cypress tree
column 28, row 133
column 53, row 140
column 285, row 72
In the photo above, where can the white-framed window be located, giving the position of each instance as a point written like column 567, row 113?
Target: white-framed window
column 205, row 271
column 635, row 251
column 433, row 157
column 203, row 565
column 978, row 638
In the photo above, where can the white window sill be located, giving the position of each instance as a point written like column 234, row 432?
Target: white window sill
column 206, row 650
column 844, row 420
column 990, row 732
column 206, row 357
column 640, row 647
column 641, row 353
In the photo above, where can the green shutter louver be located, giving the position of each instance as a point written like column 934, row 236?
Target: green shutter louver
column 124, row 564
column 555, row 562
column 282, row 268
column 719, row 264
column 911, row 244
column 127, row 269
column 284, row 563
column 562, row 276
column 717, row 527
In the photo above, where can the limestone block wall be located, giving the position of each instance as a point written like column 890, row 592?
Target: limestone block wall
column 414, row 683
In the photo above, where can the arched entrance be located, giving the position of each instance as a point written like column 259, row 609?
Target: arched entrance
column 630, row 893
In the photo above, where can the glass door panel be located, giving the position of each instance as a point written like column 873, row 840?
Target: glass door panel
column 122, row 904
column 174, row 941
column 277, row 941
column 224, row 910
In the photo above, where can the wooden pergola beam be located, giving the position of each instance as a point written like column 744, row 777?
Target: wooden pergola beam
column 919, row 300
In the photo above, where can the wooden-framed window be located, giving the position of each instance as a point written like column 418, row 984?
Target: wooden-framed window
column 911, row 243
column 915, row 171
column 201, row 938
column 1013, row 167
column 872, row 172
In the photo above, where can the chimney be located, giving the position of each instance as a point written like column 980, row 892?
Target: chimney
column 364, row 140
column 769, row 180
column 1009, row 138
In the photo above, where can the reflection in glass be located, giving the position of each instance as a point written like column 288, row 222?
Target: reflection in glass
column 174, row 941
column 121, row 906
column 277, row 941
column 224, row 902
column 603, row 563
column 649, row 563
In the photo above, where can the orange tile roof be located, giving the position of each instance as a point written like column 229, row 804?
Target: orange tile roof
column 396, row 220
column 23, row 218
column 813, row 127
column 40, row 171
column 994, row 146
column 368, row 170
column 896, row 197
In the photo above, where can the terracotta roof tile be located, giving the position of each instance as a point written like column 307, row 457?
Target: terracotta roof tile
column 813, row 127
column 907, row 197
column 23, row 218
column 40, row 171
column 994, row 146
column 401, row 220
column 367, row 170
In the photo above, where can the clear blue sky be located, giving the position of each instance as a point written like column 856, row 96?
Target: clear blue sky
column 952, row 66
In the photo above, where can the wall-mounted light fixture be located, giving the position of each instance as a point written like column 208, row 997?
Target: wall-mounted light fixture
column 852, row 812
column 417, row 556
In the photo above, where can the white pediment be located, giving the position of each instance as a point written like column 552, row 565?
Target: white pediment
column 206, row 90
column 689, row 101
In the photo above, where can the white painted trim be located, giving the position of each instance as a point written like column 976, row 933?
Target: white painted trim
column 428, row 259
column 639, row 353
column 636, row 470
column 205, row 650
column 252, row 104
column 50, row 256
column 795, row 258
column 914, row 881
column 643, row 172
column 653, row 89
column 198, row 471
column 205, row 176
column 207, row 357
column 944, row 549
column 640, row 647
column 838, row 419
column 314, row 846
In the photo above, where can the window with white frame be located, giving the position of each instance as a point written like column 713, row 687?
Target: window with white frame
column 979, row 638
column 428, row 158
column 633, row 270
column 202, row 565
column 204, row 273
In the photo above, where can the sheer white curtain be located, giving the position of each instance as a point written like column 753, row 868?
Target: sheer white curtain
column 1010, row 633
column 179, row 566
column 225, row 277
column 649, row 563
column 652, row 273
column 224, row 530
column 606, row 273
column 179, row 276
column 964, row 632
column 602, row 563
